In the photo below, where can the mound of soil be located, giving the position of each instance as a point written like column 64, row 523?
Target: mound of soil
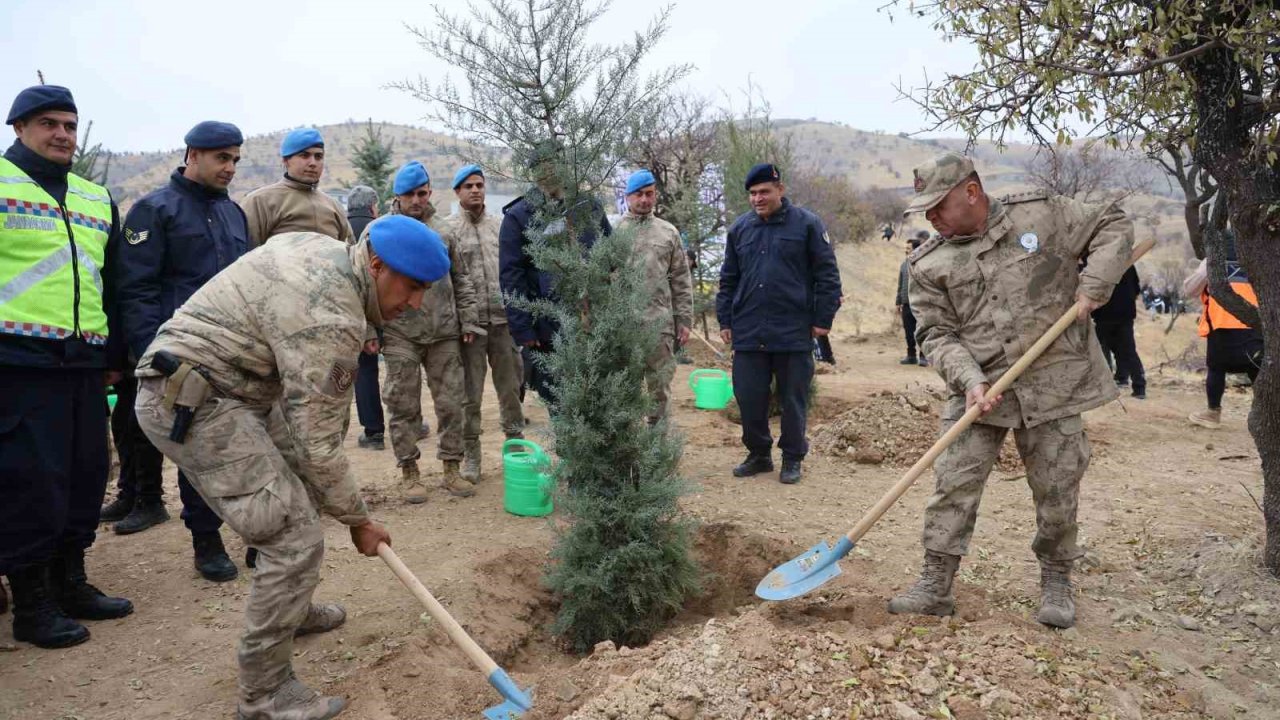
column 892, row 428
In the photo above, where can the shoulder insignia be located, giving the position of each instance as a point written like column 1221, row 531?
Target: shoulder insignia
column 136, row 238
column 927, row 247
column 1022, row 197
column 339, row 379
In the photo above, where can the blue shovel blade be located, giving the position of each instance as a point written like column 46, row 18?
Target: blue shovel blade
column 517, row 701
column 804, row 573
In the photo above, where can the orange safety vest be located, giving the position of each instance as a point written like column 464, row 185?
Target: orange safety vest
column 1215, row 317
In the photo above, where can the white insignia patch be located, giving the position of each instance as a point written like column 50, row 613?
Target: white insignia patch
column 1030, row 242
column 136, row 238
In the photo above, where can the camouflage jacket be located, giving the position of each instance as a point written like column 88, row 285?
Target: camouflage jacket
column 666, row 271
column 982, row 301
column 292, row 206
column 284, row 324
column 448, row 308
column 477, row 243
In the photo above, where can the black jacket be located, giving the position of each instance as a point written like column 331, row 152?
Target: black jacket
column 73, row 352
column 1122, row 306
column 778, row 280
column 176, row 239
column 359, row 220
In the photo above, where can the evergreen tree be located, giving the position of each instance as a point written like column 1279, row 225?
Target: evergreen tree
column 568, row 110
column 86, row 158
column 372, row 161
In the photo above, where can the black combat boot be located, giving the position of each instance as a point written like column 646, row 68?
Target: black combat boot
column 790, row 474
column 118, row 509
column 76, row 597
column 211, row 557
column 147, row 513
column 755, row 464
column 37, row 619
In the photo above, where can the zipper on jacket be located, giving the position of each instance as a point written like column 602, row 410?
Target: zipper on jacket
column 75, row 272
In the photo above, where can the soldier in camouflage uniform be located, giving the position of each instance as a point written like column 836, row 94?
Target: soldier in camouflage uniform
column 670, row 287
column 995, row 278
column 267, row 352
column 475, row 235
column 428, row 339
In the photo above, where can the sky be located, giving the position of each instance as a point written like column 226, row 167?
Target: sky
column 145, row 71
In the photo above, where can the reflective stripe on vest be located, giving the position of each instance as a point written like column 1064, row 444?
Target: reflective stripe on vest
column 1215, row 317
column 39, row 272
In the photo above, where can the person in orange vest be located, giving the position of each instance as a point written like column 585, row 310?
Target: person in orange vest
column 1233, row 347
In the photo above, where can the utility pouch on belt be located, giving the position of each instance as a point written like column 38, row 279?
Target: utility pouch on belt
column 184, row 391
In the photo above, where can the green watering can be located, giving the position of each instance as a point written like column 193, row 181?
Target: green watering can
column 526, row 476
column 111, row 400
column 711, row 389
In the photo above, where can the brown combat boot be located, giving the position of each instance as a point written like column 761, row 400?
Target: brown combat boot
column 1207, row 418
column 321, row 618
column 471, row 462
column 454, row 482
column 291, row 701
column 411, row 487
column 931, row 595
column 1057, row 604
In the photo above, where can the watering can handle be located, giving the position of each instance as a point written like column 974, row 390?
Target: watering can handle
column 532, row 447
column 706, row 372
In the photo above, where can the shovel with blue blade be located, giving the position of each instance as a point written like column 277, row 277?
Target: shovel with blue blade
column 516, row 701
column 815, row 566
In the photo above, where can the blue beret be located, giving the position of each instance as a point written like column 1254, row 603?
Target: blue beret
column 213, row 134
column 640, row 179
column 409, row 247
column 464, row 173
column 38, row 99
column 762, row 173
column 411, row 177
column 299, row 140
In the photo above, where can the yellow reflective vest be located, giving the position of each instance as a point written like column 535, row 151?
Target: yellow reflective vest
column 51, row 258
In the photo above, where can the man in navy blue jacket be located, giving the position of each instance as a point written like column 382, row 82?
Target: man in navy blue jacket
column 519, row 277
column 176, row 239
column 779, row 289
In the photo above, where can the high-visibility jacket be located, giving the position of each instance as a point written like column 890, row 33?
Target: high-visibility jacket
column 51, row 258
column 1215, row 317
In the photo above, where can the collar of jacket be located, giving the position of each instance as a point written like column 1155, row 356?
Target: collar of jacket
column 358, row 213
column 191, row 187
column 997, row 225
column 473, row 218
column 34, row 165
column 638, row 218
column 780, row 215
column 298, row 184
column 359, row 254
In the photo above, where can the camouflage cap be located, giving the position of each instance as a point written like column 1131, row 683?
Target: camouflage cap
column 936, row 178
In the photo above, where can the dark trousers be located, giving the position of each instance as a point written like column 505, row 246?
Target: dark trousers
column 535, row 376
column 369, row 396
column 142, row 465
column 1117, row 338
column 909, row 329
column 53, row 463
column 753, row 374
column 1230, row 351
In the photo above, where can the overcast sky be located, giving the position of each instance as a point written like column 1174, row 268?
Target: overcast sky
column 145, row 71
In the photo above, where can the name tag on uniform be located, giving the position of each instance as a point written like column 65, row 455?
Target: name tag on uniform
column 1030, row 242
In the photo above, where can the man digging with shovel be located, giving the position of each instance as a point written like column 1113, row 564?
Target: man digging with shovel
column 998, row 276
column 247, row 390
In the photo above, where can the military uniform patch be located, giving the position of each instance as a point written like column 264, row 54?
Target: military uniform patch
column 136, row 238
column 1030, row 242
column 340, row 379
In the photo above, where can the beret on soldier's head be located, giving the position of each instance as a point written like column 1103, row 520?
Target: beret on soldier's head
column 301, row 139
column 213, row 134
column 409, row 247
column 640, row 179
column 763, row 173
column 465, row 172
column 410, row 177
column 40, row 98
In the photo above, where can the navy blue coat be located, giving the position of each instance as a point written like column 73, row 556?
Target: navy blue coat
column 779, row 279
column 176, row 239
column 518, row 276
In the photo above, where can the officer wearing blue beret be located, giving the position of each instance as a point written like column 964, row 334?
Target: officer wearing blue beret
column 176, row 239
column 779, row 289
column 296, row 203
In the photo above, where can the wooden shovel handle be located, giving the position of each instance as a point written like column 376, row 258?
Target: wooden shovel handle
column 707, row 342
column 970, row 415
column 459, row 636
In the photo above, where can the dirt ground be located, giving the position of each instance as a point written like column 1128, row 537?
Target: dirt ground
column 1176, row 618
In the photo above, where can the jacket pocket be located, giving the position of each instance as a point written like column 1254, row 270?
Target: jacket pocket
column 250, row 497
column 1071, row 425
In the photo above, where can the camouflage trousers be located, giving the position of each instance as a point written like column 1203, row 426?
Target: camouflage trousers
column 1056, row 455
column 498, row 351
column 242, row 461
column 659, row 368
column 402, row 394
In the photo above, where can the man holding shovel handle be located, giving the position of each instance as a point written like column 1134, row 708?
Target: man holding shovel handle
column 995, row 279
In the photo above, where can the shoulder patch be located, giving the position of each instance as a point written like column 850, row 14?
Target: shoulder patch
column 1022, row 197
column 340, row 378
column 927, row 247
column 136, row 238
